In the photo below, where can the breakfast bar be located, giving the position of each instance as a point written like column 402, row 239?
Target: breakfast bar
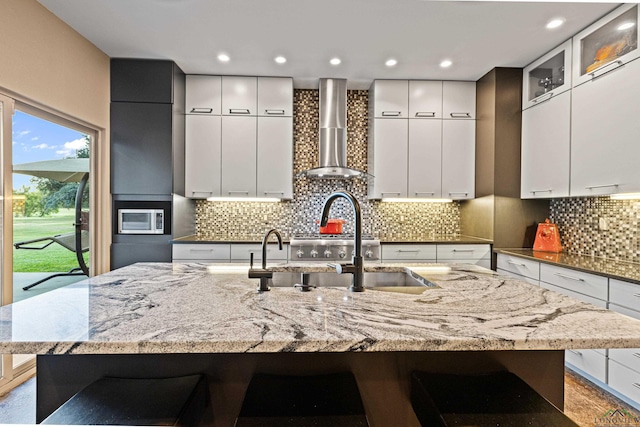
column 160, row 319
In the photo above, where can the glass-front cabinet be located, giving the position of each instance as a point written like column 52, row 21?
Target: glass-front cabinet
column 606, row 45
column 548, row 76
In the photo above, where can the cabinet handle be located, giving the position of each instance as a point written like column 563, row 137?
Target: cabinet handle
column 425, row 114
column 451, row 193
column 200, row 250
column 193, row 193
column 202, row 110
column 425, row 192
column 617, row 62
column 392, row 113
column 516, row 263
column 408, row 251
column 636, row 385
column 461, row 115
column 636, row 295
column 239, row 111
column 564, row 276
column 274, row 192
column 274, row 112
column 238, row 192
column 462, row 250
column 390, row 192
column 541, row 191
column 575, row 352
column 542, row 98
column 636, row 355
column 591, row 187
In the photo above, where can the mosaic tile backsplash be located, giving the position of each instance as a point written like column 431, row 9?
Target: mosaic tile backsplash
column 598, row 226
column 387, row 221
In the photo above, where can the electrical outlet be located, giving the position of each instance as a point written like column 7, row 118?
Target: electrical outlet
column 603, row 224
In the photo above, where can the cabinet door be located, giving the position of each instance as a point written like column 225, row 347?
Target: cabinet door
column 609, row 43
column 459, row 100
column 275, row 157
column 391, row 98
column 425, row 151
column 142, row 80
column 388, row 161
column 546, row 132
column 275, row 96
column 239, row 156
column 425, row 99
column 202, row 156
column 239, row 96
column 203, row 95
column 604, row 133
column 548, row 76
column 458, row 159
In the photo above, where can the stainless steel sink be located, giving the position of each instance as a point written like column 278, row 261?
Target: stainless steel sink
column 403, row 282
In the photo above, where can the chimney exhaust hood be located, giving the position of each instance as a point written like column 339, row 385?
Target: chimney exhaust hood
column 333, row 133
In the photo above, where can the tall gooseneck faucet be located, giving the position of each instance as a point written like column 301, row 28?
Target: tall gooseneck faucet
column 262, row 273
column 357, row 265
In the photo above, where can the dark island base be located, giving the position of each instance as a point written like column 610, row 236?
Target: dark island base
column 383, row 378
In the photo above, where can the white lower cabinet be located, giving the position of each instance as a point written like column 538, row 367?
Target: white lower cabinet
column 408, row 253
column 624, row 380
column 241, row 252
column 518, row 276
column 477, row 254
column 575, row 281
column 521, row 266
column 591, row 362
column 219, row 252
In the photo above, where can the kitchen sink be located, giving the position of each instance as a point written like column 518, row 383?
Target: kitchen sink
column 402, row 282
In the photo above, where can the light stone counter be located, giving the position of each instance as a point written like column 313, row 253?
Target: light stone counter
column 195, row 308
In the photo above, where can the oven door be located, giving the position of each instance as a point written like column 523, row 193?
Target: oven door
column 140, row 221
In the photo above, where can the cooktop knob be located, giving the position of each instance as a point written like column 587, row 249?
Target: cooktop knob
column 342, row 254
column 368, row 253
column 327, row 253
column 300, row 253
column 313, row 253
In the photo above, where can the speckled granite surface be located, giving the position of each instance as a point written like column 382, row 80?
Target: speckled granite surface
column 417, row 238
column 628, row 271
column 195, row 308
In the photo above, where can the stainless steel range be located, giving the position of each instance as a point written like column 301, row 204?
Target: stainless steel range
column 331, row 247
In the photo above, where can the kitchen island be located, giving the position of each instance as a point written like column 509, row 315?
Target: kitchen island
column 177, row 319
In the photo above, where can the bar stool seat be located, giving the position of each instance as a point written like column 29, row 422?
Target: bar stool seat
column 181, row 401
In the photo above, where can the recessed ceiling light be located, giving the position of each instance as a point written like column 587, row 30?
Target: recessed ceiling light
column 335, row 61
column 555, row 23
column 223, row 57
column 626, row 26
column 391, row 62
column 280, row 59
column 446, row 63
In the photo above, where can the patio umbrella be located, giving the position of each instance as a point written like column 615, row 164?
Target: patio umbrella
column 63, row 170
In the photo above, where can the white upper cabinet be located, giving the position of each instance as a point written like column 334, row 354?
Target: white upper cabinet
column 203, row 95
column 239, row 156
column 546, row 133
column 458, row 100
column 547, row 77
column 425, row 99
column 275, row 157
column 388, row 157
column 458, row 159
column 275, row 96
column 390, row 98
column 239, row 96
column 607, row 44
column 425, row 161
column 605, row 126
column 202, row 156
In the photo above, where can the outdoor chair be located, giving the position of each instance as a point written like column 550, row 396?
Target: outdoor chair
column 66, row 240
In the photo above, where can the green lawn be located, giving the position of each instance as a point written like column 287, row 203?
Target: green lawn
column 54, row 258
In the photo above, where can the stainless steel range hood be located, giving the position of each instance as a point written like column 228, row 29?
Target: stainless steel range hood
column 333, row 133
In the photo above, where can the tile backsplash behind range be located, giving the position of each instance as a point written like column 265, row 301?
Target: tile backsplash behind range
column 388, row 221
column 598, row 226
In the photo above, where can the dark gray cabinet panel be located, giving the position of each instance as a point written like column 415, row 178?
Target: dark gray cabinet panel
column 123, row 254
column 142, row 80
column 141, row 148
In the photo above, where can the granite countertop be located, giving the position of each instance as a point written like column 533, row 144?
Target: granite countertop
column 621, row 270
column 199, row 308
column 416, row 238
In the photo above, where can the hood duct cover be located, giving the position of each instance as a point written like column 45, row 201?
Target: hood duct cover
column 333, row 133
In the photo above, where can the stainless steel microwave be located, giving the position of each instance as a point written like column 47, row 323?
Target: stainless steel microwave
column 141, row 221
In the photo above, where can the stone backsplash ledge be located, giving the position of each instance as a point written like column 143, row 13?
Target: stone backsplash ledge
column 392, row 221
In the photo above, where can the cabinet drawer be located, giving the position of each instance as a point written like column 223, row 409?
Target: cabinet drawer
column 460, row 252
column 624, row 380
column 584, row 283
column 519, row 277
column 624, row 293
column 584, row 298
column 242, row 251
column 589, row 361
column 629, row 357
column 521, row 266
column 216, row 252
column 485, row 262
column 409, row 253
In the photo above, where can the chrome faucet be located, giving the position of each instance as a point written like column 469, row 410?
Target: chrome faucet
column 262, row 273
column 357, row 266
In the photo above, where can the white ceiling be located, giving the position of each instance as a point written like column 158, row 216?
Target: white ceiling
column 476, row 36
